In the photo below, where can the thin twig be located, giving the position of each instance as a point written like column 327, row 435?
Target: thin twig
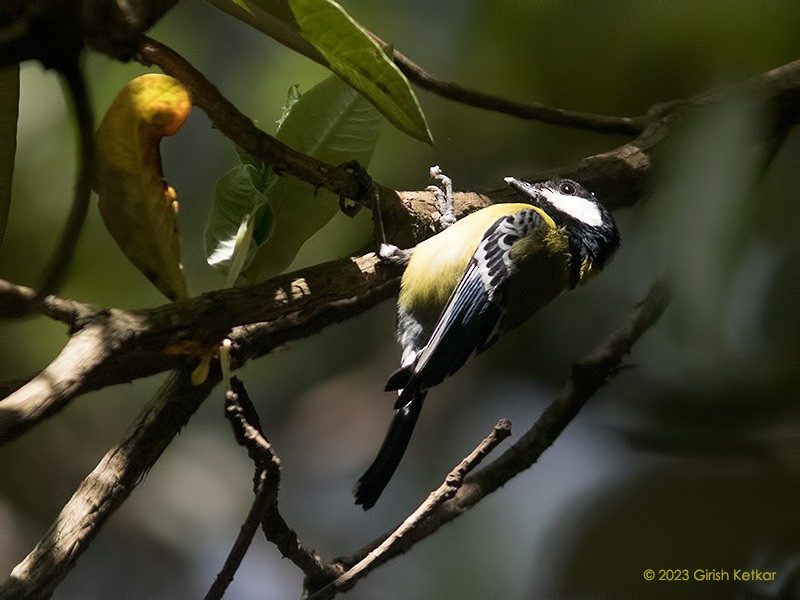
column 264, row 497
column 278, row 532
column 249, row 433
column 247, row 429
column 16, row 299
column 532, row 110
column 587, row 376
column 444, row 492
column 239, row 128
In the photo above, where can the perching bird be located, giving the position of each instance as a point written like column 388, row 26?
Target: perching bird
column 480, row 277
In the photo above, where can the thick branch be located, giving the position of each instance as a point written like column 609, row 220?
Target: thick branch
column 106, row 488
column 124, row 466
column 621, row 177
column 54, row 387
column 618, row 177
column 113, row 346
column 307, row 298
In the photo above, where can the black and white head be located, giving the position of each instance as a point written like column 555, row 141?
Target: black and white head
column 591, row 229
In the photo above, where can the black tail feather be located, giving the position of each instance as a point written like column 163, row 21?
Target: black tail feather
column 399, row 379
column 371, row 484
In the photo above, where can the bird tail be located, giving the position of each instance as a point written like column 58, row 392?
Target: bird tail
column 371, row 484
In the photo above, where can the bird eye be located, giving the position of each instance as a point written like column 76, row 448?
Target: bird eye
column 567, row 188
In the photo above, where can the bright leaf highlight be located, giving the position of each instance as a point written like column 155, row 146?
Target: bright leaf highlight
column 137, row 206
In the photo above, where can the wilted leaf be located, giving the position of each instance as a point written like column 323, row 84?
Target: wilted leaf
column 136, row 204
column 9, row 109
column 323, row 31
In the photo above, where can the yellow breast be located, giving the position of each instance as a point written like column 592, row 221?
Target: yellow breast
column 437, row 264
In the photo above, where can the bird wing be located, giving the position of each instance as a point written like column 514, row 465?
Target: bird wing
column 468, row 323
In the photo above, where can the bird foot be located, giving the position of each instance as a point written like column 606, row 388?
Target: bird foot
column 444, row 197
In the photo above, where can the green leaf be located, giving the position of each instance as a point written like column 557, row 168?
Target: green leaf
column 259, row 221
column 324, row 32
column 331, row 122
column 292, row 96
column 241, row 217
column 9, row 109
column 229, row 234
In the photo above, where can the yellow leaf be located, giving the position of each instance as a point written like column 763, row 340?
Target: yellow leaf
column 137, row 205
column 200, row 373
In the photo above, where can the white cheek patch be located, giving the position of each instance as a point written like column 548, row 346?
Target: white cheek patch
column 576, row 207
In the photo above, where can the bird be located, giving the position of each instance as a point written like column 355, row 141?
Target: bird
column 480, row 277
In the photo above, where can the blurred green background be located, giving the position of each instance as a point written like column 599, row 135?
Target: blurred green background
column 689, row 460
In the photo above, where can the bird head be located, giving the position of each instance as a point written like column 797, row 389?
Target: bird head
column 588, row 224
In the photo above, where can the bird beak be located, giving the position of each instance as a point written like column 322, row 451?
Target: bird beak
column 531, row 190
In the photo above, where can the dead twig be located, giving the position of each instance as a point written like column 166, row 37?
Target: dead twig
column 443, row 493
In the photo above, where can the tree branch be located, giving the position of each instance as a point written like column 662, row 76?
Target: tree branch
column 444, row 492
column 111, row 346
column 587, row 376
column 248, row 433
column 106, row 488
column 115, row 27
column 52, row 389
column 140, row 337
column 533, row 110
column 619, row 177
column 15, row 299
column 239, row 128
column 56, row 271
column 124, row 466
column 52, row 33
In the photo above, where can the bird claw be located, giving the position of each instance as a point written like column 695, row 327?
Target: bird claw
column 444, row 198
column 391, row 254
